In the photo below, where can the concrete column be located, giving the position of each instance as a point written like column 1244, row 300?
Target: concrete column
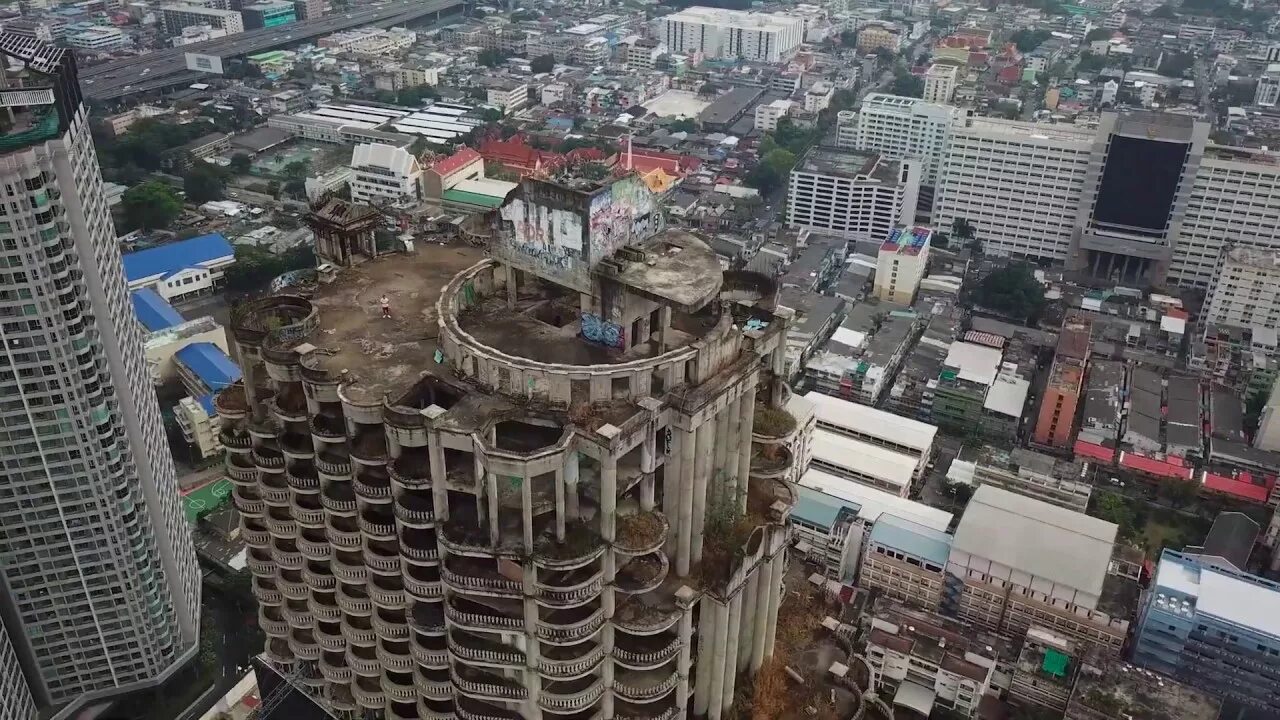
column 513, row 287
column 560, row 504
column 571, row 486
column 648, row 463
column 642, row 330
column 688, row 470
column 493, row 507
column 717, row 481
column 761, row 623
column 731, row 651
column 706, row 437
column 439, row 479
column 775, row 599
column 718, row 657
column 671, row 471
column 532, row 653
column 778, row 362
column 706, row 642
column 526, row 511
column 746, row 421
column 608, row 498
column 746, row 628
column 733, row 449
column 664, row 332
column 685, row 662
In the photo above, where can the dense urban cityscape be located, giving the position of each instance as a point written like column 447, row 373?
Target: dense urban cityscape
column 639, row 360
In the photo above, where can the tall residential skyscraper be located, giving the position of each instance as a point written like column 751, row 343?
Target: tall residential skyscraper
column 101, row 590
column 512, row 486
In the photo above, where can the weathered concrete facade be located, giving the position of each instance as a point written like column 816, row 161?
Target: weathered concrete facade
column 519, row 516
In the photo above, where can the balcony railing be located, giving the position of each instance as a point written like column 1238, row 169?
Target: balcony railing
column 645, row 692
column 573, row 667
column 570, row 633
column 486, row 652
column 575, row 701
column 485, row 621
column 486, row 585
column 494, row 688
column 648, row 659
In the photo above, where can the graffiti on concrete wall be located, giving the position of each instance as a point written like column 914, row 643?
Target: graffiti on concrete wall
column 545, row 240
column 622, row 214
column 603, row 332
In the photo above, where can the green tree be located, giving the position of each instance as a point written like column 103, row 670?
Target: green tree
column 1179, row 493
column 1097, row 34
column 906, row 84
column 490, row 57
column 849, row 38
column 256, row 266
column 1012, row 290
column 1113, row 508
column 1176, row 64
column 152, row 205
column 204, row 182
column 683, row 125
column 543, row 63
column 1091, row 63
column 1164, row 12
column 240, row 164
column 770, row 173
column 1028, row 40
column 963, row 229
column 297, row 170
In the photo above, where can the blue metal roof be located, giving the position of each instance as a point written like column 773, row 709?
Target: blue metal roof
column 176, row 256
column 818, row 508
column 210, row 364
column 912, row 538
column 206, row 402
column 153, row 311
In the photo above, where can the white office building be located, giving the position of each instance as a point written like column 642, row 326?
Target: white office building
column 900, row 127
column 1267, row 93
column 1246, row 290
column 101, row 586
column 853, row 194
column 386, row 173
column 1235, row 199
column 732, row 34
column 940, row 83
column 847, row 129
column 862, row 422
column 99, row 39
column 177, row 17
column 768, row 114
column 1019, row 184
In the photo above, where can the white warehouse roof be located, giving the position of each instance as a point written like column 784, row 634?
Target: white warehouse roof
column 875, row 502
column 863, row 458
column 869, row 421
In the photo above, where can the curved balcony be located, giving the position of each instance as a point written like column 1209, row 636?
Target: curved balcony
column 372, row 487
column 410, row 471
column 568, row 627
column 347, row 570
column 484, row 685
column 260, row 563
column 474, row 616
column 329, row 636
column 772, row 425
column 464, row 539
column 272, row 621
column 415, row 510
column 278, row 651
column 639, row 618
column 338, row 498
column 291, row 588
column 395, row 657
column 429, row 657
column 324, row 606
column 285, row 556
column 369, row 448
column 313, row 549
column 581, row 546
column 235, row 439
column 470, row 709
column 241, row 470
column 307, row 511
column 254, row 535
column 770, row 461
column 641, row 533
column 338, row 696
column 344, row 535
column 368, row 693
column 434, row 689
column 422, row 583
column 400, row 690
column 297, row 614
column 327, row 428
column 645, row 685
column 475, row 648
column 571, row 696
column 359, row 631
column 378, row 525
column 645, row 652
column 297, row 446
column 275, row 492
column 268, row 459
column 231, row 403
column 364, row 660
column 662, row 709
column 390, row 598
column 568, row 662
column 467, row 575
column 426, row 618
column 382, row 557
column 390, row 625
column 301, row 477
column 354, row 600
column 569, row 587
column 303, row 644
column 333, row 666
column 249, row 506
column 332, row 465
column 642, row 574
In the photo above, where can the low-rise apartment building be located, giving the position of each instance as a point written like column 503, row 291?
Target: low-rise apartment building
column 853, row 194
column 906, row 561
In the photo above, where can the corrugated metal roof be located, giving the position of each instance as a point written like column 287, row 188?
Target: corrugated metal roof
column 818, row 508
column 176, row 256
column 210, row 364
column 912, row 538
column 469, row 198
column 153, row 311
